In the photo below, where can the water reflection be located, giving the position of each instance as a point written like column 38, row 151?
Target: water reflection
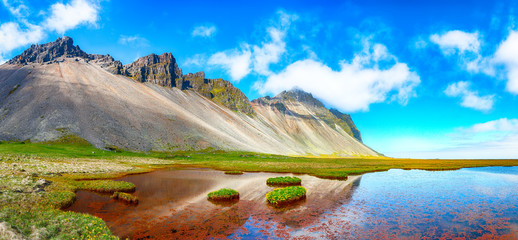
column 172, row 204
column 478, row 203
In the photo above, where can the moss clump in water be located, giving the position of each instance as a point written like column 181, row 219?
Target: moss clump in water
column 283, row 196
column 283, row 181
column 224, row 194
column 233, row 172
column 126, row 197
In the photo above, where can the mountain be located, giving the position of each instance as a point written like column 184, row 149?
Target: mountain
column 55, row 90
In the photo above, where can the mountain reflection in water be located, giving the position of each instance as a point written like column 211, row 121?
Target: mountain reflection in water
column 398, row 204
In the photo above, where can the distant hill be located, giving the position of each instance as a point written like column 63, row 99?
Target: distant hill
column 54, row 90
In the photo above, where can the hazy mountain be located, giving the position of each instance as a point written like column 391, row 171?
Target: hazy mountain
column 56, row 89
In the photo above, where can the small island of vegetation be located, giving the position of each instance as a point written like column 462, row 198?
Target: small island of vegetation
column 125, row 197
column 224, row 194
column 283, row 181
column 283, row 196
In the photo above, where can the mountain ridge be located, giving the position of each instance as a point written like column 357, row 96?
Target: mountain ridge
column 61, row 65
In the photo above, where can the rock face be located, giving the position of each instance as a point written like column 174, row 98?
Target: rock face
column 61, row 49
column 56, row 90
column 158, row 69
column 164, row 71
column 332, row 117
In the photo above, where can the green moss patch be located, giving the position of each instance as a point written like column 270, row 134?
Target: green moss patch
column 233, row 172
column 283, row 181
column 105, row 186
column 51, row 224
column 224, row 194
column 287, row 195
column 126, row 197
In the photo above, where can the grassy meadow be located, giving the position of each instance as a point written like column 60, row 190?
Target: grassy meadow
column 39, row 179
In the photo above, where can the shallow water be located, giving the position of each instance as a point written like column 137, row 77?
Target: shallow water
column 467, row 204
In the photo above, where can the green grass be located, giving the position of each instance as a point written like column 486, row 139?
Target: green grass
column 234, row 172
column 51, row 224
column 282, row 196
column 126, row 197
column 104, row 186
column 223, row 194
column 67, row 163
column 283, row 181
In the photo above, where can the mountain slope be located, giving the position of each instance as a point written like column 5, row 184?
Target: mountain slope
column 56, row 89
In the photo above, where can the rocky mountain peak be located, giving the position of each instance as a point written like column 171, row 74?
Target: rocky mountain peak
column 300, row 96
column 283, row 102
column 40, row 53
column 153, row 59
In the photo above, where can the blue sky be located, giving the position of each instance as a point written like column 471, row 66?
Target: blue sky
column 421, row 79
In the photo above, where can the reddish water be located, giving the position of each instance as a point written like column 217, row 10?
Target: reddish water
column 172, row 204
column 479, row 203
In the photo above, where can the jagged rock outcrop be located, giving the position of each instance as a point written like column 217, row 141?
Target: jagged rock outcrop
column 218, row 90
column 164, row 71
column 158, row 69
column 61, row 49
column 331, row 117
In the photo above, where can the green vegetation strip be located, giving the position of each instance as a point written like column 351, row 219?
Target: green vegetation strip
column 283, row 181
column 105, row 186
column 27, row 209
column 282, row 196
column 223, row 194
column 126, row 197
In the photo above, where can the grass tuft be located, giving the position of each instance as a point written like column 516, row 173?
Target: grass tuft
column 283, row 196
column 105, row 186
column 283, row 181
column 224, row 194
column 126, row 197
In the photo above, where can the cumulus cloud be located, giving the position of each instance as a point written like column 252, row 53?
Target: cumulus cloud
column 204, row 31
column 455, row 40
column 466, row 46
column 16, row 7
column 62, row 17
column 256, row 58
column 134, row 41
column 499, row 125
column 235, row 62
column 67, row 16
column 13, row 36
column 373, row 76
column 470, row 98
column 507, row 54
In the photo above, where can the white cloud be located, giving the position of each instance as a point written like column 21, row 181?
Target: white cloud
column 256, row 58
column 204, row 31
column 499, row 125
column 355, row 86
column 466, row 46
column 12, row 36
column 134, row 41
column 62, row 17
column 67, row 16
column 487, row 140
column 236, row 63
column 453, row 41
column 507, row 54
column 16, row 7
column 269, row 52
column 470, row 99
column 196, row 60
